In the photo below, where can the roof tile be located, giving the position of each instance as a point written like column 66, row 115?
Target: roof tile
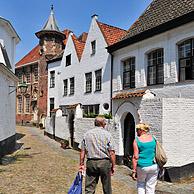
column 79, row 45
column 159, row 12
column 111, row 34
column 123, row 95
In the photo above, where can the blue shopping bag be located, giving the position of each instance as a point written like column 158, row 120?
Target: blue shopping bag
column 76, row 187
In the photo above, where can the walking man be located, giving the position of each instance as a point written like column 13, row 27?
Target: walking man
column 98, row 146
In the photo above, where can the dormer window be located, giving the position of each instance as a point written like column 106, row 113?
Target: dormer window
column 93, row 47
column 68, row 60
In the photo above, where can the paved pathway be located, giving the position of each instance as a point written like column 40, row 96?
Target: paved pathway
column 40, row 166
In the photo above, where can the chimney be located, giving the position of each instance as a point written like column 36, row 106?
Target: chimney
column 95, row 16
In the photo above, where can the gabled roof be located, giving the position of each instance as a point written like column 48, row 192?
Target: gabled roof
column 111, row 34
column 160, row 16
column 159, row 12
column 79, row 45
column 34, row 54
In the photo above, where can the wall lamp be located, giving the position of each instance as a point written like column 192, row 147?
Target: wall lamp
column 22, row 88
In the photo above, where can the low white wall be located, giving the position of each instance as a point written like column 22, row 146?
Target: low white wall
column 178, row 130
column 48, row 126
column 61, row 128
column 7, row 107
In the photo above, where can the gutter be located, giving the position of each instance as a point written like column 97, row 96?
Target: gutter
column 111, row 84
column 30, row 63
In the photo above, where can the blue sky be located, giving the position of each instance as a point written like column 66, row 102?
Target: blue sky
column 29, row 16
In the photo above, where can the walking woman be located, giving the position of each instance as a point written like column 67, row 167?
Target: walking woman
column 145, row 170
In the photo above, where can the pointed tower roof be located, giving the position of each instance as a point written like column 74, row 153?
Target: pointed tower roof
column 50, row 26
column 51, row 23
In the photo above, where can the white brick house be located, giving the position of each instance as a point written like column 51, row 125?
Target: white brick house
column 8, row 82
column 83, row 75
column 153, row 82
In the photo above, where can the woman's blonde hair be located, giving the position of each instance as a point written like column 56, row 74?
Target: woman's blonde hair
column 143, row 126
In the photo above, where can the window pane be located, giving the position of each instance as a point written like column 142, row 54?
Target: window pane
column 152, row 75
column 185, row 49
column 156, row 67
column 186, row 69
column 93, row 47
column 91, row 110
column 28, row 77
column 19, row 104
column 65, row 87
column 27, row 104
column 52, row 79
column 72, row 85
column 129, row 73
column 88, row 82
column 35, row 73
column 68, row 60
column 98, row 75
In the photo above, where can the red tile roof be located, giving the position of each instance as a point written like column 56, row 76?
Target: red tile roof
column 111, row 34
column 66, row 32
column 34, row 54
column 79, row 46
column 123, row 95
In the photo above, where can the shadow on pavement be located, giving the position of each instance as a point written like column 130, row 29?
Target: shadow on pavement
column 19, row 136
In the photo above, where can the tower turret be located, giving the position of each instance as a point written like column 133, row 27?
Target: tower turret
column 50, row 37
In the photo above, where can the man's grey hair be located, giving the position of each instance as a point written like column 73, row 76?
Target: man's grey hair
column 99, row 121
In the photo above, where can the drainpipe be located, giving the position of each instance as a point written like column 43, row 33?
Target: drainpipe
column 111, row 84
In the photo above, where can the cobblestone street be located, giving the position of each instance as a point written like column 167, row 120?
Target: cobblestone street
column 41, row 166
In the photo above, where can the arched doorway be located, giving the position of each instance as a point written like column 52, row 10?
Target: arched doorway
column 129, row 136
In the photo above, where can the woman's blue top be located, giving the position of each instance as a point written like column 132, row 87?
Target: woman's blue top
column 147, row 152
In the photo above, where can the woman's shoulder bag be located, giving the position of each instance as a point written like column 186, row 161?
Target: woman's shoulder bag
column 161, row 158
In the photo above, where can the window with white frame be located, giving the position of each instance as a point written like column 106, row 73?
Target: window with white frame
column 52, row 79
column 186, row 60
column 71, row 80
column 93, row 47
column 65, row 87
column 35, row 73
column 98, row 76
column 91, row 110
column 27, row 104
column 19, row 106
column 88, row 77
column 129, row 73
column 28, row 75
column 155, row 74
